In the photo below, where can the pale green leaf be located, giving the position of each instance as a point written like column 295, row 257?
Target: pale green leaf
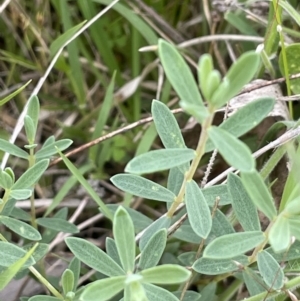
column 188, row 295
column 20, row 194
column 186, row 233
column 179, row 74
column 175, row 180
column 33, row 111
column 104, row 289
column 67, row 281
column 163, row 222
column 112, row 251
column 57, row 224
column 235, row 152
column 217, row 191
column 205, row 67
column 153, row 250
column 212, row 266
column 166, row 126
column 259, row 193
column 156, row 293
column 245, row 119
column 166, row 274
column 230, row 245
column 125, row 239
column 29, row 129
column 270, row 270
column 21, row 228
column 244, row 209
column 50, row 149
column 43, row 298
column 158, row 160
column 7, row 275
column 6, row 180
column 142, row 187
column 280, row 234
column 198, row 211
column 240, row 73
column 31, row 175
column 93, row 257
column 12, row 149
column 74, row 266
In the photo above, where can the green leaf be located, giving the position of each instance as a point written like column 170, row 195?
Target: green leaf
column 74, row 266
column 158, row 160
column 186, row 233
column 198, row 210
column 20, row 194
column 140, row 221
column 13, row 94
column 175, row 180
column 245, row 119
column 259, row 193
column 57, row 224
column 21, row 228
column 280, row 234
column 270, row 270
column 287, row 255
column 195, row 110
column 240, row 73
column 12, row 149
column 31, row 175
column 64, row 38
column 220, row 226
column 29, row 129
column 67, row 281
column 235, row 152
column 43, row 298
column 188, row 296
column 33, row 111
column 212, row 266
column 243, row 207
column 142, row 187
column 166, row 126
column 205, row 67
column 179, row 74
column 254, row 283
column 9, row 254
column 166, row 274
column 125, row 239
column 163, row 222
column 93, row 257
column 156, row 293
column 134, row 290
column 6, row 180
column 217, row 191
column 50, row 149
column 153, row 250
column 112, row 251
column 7, row 275
column 230, row 245
column 104, row 289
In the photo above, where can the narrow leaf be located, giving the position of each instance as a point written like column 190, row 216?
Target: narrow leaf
column 198, row 210
column 230, row 245
column 240, row 73
column 166, row 274
column 270, row 270
column 125, row 239
column 12, row 149
column 179, row 74
column 243, row 207
column 112, row 251
column 74, row 266
column 57, row 224
column 93, row 257
column 245, row 119
column 212, row 266
column 104, row 289
column 156, row 293
column 153, row 250
column 67, row 281
column 49, row 150
column 43, row 298
column 31, row 175
column 20, row 194
column 280, row 234
column 163, row 222
column 259, row 193
column 166, row 126
column 142, row 187
column 158, row 160
column 21, row 228
column 235, row 152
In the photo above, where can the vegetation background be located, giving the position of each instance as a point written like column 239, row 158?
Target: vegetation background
column 99, row 94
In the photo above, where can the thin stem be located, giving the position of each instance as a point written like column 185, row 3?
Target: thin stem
column 200, row 150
